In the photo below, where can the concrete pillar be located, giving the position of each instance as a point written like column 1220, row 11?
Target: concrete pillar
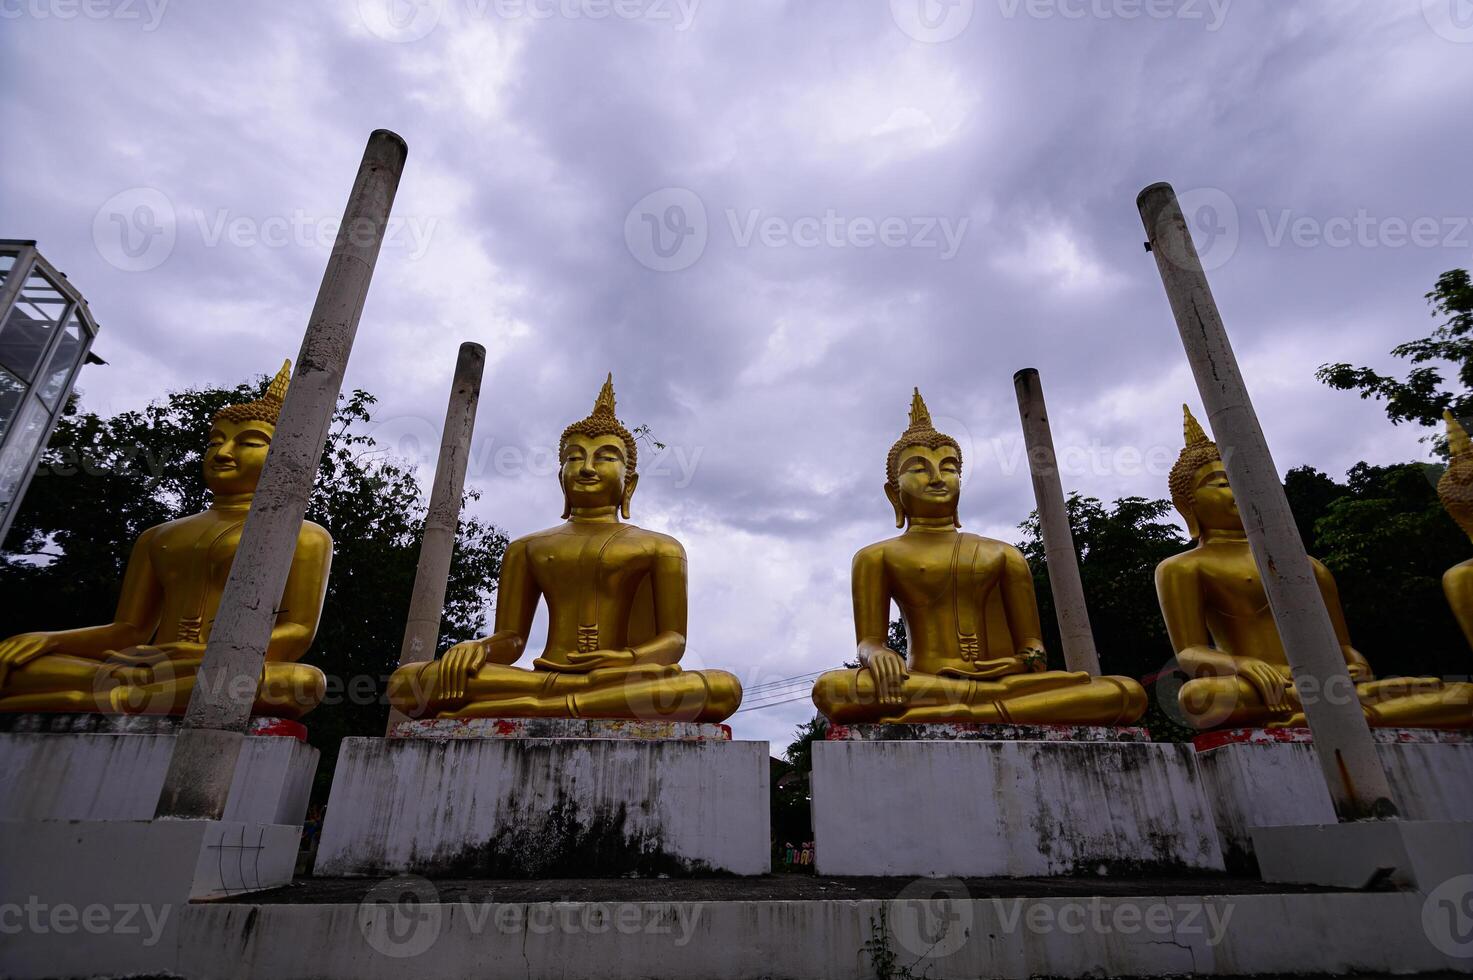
column 422, row 628
column 1357, row 783
column 1053, row 517
column 205, row 750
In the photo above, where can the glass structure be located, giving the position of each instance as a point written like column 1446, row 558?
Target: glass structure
column 46, row 332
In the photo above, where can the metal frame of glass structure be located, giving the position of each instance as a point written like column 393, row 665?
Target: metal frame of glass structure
column 46, row 332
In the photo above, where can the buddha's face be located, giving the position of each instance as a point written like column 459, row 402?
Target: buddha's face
column 930, row 480
column 1216, row 508
column 594, row 470
column 235, row 455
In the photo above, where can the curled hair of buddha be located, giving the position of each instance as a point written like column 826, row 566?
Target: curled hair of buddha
column 1455, row 489
column 602, row 422
column 920, row 433
column 1198, row 452
column 267, row 408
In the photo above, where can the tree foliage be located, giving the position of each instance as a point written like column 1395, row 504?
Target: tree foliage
column 1421, row 396
column 104, row 480
column 1387, row 540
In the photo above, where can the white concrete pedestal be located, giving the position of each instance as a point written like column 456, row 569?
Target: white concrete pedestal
column 112, row 773
column 1010, row 808
column 1271, row 778
column 546, row 807
column 1418, row 854
column 105, row 897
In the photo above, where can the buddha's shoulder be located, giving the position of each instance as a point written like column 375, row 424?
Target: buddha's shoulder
column 655, row 541
column 313, row 533
column 1183, row 563
column 986, row 544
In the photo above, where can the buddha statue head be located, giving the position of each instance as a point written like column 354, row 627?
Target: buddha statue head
column 923, row 472
column 1199, row 483
column 240, row 437
column 598, row 459
column 1455, row 489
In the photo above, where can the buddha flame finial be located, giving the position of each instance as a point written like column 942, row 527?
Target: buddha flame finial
column 1455, row 489
column 604, row 404
column 267, row 408
column 920, row 416
column 1192, row 434
column 1458, row 443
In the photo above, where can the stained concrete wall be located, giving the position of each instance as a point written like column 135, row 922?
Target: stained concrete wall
column 1273, row 935
column 1009, row 808
column 546, row 808
column 1279, row 784
column 118, row 777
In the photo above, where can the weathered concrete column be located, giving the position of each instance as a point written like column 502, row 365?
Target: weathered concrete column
column 205, row 750
column 1357, row 782
column 422, row 628
column 1053, row 517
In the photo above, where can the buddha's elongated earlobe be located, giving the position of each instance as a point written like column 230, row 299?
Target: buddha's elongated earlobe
column 894, row 497
column 629, row 484
column 567, row 504
column 956, row 517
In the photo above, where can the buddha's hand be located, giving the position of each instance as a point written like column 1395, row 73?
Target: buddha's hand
column 21, row 649
column 457, row 666
column 1267, row 681
column 888, row 670
column 133, row 665
column 1359, row 672
column 580, row 661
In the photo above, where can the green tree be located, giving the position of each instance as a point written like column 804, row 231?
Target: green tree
column 1388, row 541
column 1421, row 396
column 104, row 480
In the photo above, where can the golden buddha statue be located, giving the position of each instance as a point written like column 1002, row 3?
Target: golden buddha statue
column 616, row 605
column 1455, row 490
column 1224, row 634
column 145, row 660
column 970, row 614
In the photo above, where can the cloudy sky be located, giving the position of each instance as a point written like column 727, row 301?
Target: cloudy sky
column 769, row 219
